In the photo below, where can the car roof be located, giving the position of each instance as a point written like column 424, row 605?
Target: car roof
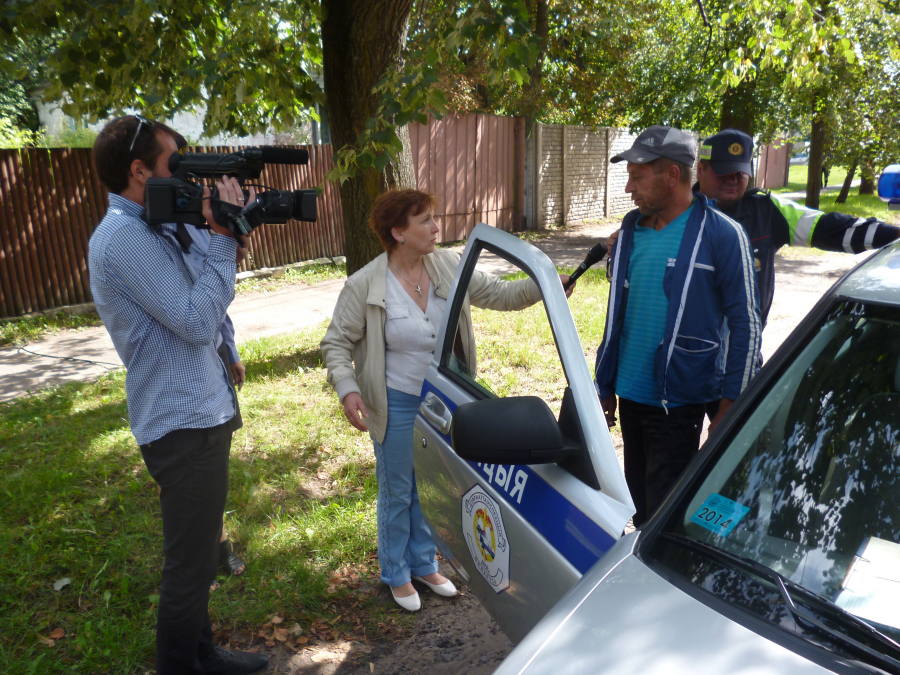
column 876, row 279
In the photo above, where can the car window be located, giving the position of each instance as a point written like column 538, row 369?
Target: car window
column 514, row 352
column 808, row 485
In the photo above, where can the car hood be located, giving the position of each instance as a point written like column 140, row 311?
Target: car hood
column 624, row 618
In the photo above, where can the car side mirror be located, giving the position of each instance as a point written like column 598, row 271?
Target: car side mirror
column 513, row 430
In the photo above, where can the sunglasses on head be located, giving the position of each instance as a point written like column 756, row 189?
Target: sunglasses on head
column 142, row 121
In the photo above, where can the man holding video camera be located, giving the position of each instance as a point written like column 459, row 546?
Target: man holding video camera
column 164, row 324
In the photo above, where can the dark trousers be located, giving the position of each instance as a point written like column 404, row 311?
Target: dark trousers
column 658, row 445
column 191, row 468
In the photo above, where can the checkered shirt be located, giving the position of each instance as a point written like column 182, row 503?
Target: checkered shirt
column 163, row 324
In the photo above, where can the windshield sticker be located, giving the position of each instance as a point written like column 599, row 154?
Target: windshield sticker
column 482, row 527
column 719, row 514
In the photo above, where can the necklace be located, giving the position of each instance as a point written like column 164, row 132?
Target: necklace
column 417, row 285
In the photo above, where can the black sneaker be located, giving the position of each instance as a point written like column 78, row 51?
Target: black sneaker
column 227, row 662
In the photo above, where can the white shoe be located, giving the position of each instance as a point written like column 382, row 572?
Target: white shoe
column 446, row 589
column 411, row 603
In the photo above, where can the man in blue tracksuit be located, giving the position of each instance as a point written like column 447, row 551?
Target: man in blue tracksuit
column 682, row 327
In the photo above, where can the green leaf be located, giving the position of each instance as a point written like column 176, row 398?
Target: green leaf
column 102, row 82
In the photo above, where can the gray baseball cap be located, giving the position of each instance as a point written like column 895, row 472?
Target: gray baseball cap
column 658, row 141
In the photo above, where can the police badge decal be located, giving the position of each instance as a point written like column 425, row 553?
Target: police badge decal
column 482, row 526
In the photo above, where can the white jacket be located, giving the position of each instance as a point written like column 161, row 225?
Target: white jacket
column 354, row 347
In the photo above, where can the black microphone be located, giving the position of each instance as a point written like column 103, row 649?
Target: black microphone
column 243, row 164
column 272, row 154
column 593, row 256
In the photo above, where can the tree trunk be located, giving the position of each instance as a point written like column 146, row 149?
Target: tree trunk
column 533, row 89
column 816, row 156
column 361, row 42
column 401, row 173
column 738, row 109
column 845, row 188
column 867, row 177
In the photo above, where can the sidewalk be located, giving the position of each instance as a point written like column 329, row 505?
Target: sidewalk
column 87, row 353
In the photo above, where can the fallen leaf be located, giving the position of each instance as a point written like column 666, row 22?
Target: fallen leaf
column 281, row 634
column 57, row 633
column 277, row 619
column 302, row 640
column 46, row 641
column 60, row 584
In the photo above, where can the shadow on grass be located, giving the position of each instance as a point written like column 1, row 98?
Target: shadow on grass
column 282, row 364
column 61, row 521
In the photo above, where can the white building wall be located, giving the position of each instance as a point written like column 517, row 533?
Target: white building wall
column 189, row 125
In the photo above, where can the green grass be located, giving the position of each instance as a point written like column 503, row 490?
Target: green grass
column 306, row 274
column 797, row 174
column 77, row 503
column 22, row 330
column 864, row 206
column 513, row 354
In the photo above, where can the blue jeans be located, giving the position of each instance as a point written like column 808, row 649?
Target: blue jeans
column 405, row 546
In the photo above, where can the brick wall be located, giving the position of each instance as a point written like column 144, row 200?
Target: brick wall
column 619, row 201
column 585, row 172
column 574, row 177
column 550, row 173
column 594, row 188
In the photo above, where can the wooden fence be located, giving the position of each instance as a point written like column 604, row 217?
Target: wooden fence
column 50, row 202
column 474, row 165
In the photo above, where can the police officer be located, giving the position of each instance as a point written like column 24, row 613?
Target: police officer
column 772, row 221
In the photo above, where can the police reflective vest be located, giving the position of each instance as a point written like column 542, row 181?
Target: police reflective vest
column 772, row 221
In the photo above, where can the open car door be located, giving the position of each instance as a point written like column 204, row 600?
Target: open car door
column 516, row 471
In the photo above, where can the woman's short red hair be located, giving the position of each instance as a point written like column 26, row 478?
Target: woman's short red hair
column 393, row 209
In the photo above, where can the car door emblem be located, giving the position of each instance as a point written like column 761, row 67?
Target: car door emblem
column 482, row 526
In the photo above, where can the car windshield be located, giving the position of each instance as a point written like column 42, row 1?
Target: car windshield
column 808, row 484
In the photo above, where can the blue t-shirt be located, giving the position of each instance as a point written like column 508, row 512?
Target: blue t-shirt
column 646, row 309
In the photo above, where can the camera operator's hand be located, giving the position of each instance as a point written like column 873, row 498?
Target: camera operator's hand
column 238, row 373
column 230, row 192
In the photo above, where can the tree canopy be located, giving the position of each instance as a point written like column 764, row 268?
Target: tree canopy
column 826, row 69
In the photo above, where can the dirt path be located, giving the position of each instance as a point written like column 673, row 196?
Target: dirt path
column 448, row 637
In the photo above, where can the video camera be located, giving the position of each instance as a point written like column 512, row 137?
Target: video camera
column 179, row 200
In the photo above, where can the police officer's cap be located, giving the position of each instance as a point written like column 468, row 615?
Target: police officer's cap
column 728, row 151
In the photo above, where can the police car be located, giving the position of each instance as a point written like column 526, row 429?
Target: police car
column 777, row 552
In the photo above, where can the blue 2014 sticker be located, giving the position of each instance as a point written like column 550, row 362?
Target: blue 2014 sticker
column 719, row 514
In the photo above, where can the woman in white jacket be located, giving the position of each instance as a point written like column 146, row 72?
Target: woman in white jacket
column 377, row 349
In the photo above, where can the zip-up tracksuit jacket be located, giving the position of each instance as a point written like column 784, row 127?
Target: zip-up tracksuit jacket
column 710, row 346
